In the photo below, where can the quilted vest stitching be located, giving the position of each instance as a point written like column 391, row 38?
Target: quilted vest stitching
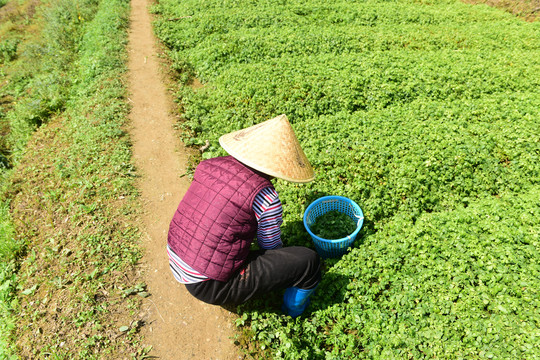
column 214, row 224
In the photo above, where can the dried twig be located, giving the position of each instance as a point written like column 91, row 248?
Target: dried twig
column 205, row 146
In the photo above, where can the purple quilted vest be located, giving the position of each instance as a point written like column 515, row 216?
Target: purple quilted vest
column 214, row 224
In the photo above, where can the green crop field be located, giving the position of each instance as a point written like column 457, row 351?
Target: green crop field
column 427, row 114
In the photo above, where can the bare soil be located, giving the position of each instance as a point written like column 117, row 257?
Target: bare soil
column 528, row 10
column 178, row 325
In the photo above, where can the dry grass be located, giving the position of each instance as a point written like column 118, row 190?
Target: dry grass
column 71, row 299
column 528, row 10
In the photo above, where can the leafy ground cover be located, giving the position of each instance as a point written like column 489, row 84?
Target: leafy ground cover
column 424, row 113
column 8, row 250
column 17, row 24
column 69, row 284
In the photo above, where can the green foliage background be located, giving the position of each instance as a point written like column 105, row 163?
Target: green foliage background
column 426, row 113
column 36, row 85
column 75, row 175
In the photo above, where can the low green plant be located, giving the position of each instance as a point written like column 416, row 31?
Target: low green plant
column 426, row 114
column 9, row 248
column 40, row 82
column 449, row 285
column 8, row 50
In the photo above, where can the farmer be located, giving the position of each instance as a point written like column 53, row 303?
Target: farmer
column 230, row 202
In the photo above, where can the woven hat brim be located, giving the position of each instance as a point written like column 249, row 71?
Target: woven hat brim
column 270, row 147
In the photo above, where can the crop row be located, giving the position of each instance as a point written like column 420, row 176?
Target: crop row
column 426, row 114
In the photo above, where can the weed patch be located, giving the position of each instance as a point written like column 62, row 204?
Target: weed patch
column 73, row 202
column 9, row 248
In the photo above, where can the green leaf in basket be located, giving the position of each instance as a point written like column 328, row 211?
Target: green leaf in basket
column 333, row 225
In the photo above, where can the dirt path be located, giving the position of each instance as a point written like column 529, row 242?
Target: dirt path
column 178, row 326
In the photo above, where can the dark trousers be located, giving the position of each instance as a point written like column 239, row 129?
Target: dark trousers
column 263, row 272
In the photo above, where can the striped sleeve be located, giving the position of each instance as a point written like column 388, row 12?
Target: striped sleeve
column 269, row 214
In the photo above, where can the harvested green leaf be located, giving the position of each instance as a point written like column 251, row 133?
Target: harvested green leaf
column 333, row 225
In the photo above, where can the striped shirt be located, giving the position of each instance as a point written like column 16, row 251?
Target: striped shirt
column 269, row 215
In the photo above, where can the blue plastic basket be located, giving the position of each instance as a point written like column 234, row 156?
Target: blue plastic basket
column 333, row 248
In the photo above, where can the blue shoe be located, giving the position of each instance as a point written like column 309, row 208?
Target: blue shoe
column 295, row 301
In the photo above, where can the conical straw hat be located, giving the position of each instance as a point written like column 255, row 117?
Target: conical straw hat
column 270, row 147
